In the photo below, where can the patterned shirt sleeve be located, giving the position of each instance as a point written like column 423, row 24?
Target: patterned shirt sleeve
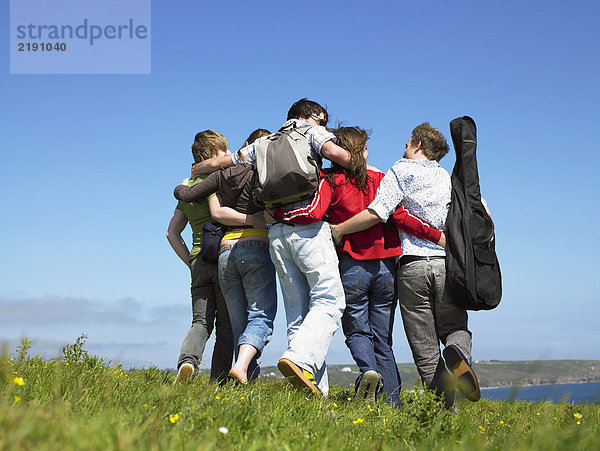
column 245, row 154
column 389, row 195
column 319, row 135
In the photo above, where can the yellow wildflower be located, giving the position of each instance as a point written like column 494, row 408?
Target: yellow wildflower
column 173, row 418
column 18, row 381
column 482, row 428
column 17, row 398
column 501, row 422
column 357, row 421
column 537, row 413
column 334, row 405
column 579, row 422
column 145, row 406
column 217, row 397
column 242, row 397
column 577, row 416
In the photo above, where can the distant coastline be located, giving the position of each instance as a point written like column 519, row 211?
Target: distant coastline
column 540, row 385
column 491, row 374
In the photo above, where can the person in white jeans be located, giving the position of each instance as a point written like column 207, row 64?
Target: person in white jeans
column 306, row 262
column 307, row 266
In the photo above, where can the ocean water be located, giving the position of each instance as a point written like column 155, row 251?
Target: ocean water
column 579, row 393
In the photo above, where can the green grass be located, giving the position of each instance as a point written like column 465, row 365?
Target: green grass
column 79, row 401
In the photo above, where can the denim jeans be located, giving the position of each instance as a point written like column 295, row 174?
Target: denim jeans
column 369, row 318
column 429, row 316
column 307, row 266
column 247, row 278
column 207, row 305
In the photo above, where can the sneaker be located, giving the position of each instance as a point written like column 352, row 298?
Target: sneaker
column 466, row 380
column 298, row 377
column 185, row 373
column 369, row 386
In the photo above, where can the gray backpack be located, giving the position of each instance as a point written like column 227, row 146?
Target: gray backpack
column 286, row 171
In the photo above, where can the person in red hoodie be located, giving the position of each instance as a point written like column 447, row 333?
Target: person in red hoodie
column 366, row 263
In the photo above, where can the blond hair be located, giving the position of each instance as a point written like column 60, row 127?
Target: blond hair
column 207, row 144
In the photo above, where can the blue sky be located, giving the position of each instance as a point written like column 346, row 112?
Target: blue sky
column 89, row 161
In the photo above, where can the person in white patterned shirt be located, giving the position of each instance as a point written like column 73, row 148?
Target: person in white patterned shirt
column 306, row 262
column 423, row 187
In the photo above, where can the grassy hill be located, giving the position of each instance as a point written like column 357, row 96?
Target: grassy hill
column 79, row 401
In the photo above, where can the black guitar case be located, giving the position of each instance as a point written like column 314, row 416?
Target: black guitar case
column 472, row 269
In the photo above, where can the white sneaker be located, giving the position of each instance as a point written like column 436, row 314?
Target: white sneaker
column 185, row 373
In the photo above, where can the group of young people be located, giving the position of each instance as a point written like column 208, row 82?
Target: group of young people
column 364, row 241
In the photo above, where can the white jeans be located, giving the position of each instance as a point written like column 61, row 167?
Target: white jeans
column 307, row 266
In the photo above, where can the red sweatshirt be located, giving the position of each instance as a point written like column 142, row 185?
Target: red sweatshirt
column 344, row 200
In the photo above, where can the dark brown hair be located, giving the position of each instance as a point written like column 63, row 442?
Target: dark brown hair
column 353, row 139
column 258, row 133
column 306, row 108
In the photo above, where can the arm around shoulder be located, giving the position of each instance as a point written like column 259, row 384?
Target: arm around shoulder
column 211, row 165
column 335, row 153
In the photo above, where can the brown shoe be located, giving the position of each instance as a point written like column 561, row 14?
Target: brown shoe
column 298, row 377
column 466, row 380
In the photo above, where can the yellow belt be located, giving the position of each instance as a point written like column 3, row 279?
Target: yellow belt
column 242, row 233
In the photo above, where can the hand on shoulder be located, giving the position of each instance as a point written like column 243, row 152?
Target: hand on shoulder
column 373, row 168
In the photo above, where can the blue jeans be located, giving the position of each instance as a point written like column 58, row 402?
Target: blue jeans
column 307, row 266
column 369, row 318
column 247, row 278
column 208, row 305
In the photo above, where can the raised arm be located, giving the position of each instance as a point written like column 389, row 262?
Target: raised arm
column 335, row 153
column 211, row 165
column 199, row 191
column 176, row 226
